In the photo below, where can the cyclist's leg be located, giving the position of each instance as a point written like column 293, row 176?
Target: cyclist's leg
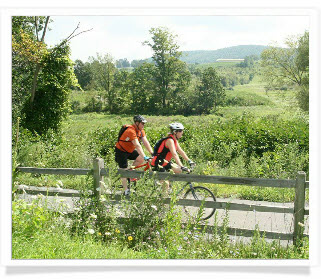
column 121, row 159
column 138, row 159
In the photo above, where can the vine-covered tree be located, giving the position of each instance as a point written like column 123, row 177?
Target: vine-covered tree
column 47, row 74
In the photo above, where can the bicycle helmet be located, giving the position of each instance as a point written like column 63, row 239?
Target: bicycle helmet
column 139, row 118
column 176, row 126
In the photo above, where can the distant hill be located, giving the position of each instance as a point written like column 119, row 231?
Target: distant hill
column 209, row 56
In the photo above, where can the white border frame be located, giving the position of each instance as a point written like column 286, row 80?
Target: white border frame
column 314, row 135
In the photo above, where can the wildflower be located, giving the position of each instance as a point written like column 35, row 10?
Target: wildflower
column 107, row 233
column 179, row 248
column 185, row 238
column 117, row 230
column 93, row 216
column 130, row 238
column 254, row 254
column 99, row 233
column 154, row 207
column 91, row 231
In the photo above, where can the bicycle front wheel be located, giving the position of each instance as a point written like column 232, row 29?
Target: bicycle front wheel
column 199, row 193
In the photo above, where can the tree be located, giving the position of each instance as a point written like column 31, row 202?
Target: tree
column 211, row 92
column 26, row 51
column 83, row 73
column 143, row 87
column 47, row 74
column 103, row 73
column 288, row 67
column 166, row 59
column 122, row 63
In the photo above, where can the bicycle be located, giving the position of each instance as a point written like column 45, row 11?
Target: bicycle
column 200, row 193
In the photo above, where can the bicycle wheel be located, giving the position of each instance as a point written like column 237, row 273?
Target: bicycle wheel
column 202, row 194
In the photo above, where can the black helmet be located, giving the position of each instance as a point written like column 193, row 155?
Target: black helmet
column 139, row 118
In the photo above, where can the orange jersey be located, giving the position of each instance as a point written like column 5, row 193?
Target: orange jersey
column 125, row 141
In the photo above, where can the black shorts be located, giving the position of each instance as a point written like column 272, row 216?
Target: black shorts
column 159, row 168
column 121, row 157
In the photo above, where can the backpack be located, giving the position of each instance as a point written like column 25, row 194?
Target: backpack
column 122, row 130
column 157, row 145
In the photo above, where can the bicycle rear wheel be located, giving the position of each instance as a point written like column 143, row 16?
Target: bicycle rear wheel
column 202, row 194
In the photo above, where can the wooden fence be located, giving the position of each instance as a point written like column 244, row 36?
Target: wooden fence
column 98, row 171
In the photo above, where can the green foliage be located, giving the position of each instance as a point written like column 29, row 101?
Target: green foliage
column 103, row 69
column 289, row 67
column 171, row 74
column 51, row 105
column 28, row 218
column 211, row 93
column 83, row 73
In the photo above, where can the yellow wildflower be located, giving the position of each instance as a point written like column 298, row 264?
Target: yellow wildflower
column 130, row 238
column 117, row 230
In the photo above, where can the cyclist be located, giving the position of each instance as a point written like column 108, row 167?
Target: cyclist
column 128, row 146
column 167, row 148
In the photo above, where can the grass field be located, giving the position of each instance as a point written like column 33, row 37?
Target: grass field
column 82, row 135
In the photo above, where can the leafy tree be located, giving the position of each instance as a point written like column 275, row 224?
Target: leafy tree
column 211, row 92
column 166, row 58
column 137, row 63
column 50, row 103
column 83, row 73
column 121, row 86
column 46, row 75
column 122, row 63
column 288, row 67
column 143, row 88
column 26, row 52
column 104, row 69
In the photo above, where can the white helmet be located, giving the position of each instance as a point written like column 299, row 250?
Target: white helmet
column 176, row 126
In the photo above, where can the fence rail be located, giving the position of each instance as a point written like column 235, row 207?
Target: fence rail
column 98, row 172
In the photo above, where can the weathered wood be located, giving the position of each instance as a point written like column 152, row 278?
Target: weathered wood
column 60, row 171
column 218, row 205
column 299, row 203
column 98, row 165
column 279, row 183
column 47, row 191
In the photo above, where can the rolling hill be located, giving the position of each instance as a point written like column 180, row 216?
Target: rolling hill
column 209, row 56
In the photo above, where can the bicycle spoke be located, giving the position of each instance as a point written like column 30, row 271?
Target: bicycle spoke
column 199, row 193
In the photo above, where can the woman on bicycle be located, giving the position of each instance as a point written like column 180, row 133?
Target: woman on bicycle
column 167, row 148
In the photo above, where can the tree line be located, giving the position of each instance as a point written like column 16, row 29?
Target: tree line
column 163, row 86
column 43, row 77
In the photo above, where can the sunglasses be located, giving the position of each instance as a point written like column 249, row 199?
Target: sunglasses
column 179, row 130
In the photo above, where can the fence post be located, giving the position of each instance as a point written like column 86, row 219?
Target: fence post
column 299, row 203
column 98, row 164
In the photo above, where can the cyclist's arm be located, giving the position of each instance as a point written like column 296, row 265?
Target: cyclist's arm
column 147, row 145
column 138, row 147
column 171, row 146
column 182, row 153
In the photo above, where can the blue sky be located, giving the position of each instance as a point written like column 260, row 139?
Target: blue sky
column 122, row 36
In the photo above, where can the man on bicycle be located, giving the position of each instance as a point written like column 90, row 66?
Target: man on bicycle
column 167, row 148
column 128, row 146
